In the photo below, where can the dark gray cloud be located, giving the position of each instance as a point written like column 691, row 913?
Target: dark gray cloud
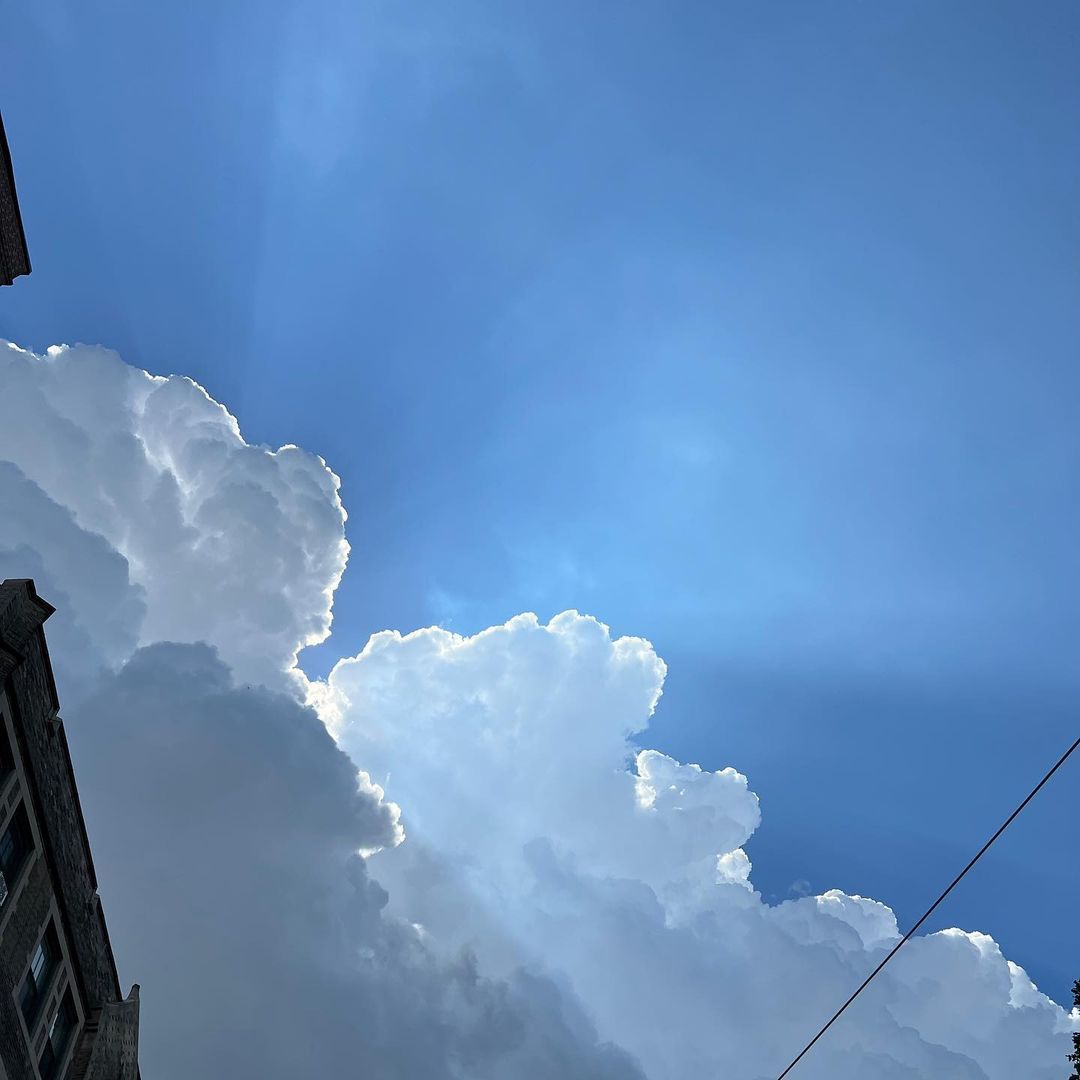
column 79, row 572
column 225, row 823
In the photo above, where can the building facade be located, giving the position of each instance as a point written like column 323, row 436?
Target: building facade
column 63, row 1015
column 14, row 258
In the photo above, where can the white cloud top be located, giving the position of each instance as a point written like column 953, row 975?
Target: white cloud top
column 232, row 544
column 512, row 755
column 598, row 888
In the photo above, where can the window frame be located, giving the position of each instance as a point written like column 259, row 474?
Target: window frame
column 7, row 753
column 51, row 1060
column 18, row 828
column 41, row 985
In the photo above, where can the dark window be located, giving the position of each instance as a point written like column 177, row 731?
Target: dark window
column 15, row 844
column 7, row 759
column 43, row 966
column 61, row 1028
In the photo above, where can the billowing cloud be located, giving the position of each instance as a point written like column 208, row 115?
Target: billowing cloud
column 566, row 901
column 232, row 544
column 226, row 826
column 80, row 573
column 524, row 732
column 513, row 756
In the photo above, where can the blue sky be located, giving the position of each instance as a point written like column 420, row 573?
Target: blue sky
column 751, row 329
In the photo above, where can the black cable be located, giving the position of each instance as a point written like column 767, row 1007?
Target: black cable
column 930, row 910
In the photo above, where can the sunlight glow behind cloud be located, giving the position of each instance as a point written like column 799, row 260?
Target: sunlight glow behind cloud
column 566, row 901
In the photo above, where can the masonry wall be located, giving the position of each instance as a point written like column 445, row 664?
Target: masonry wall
column 62, row 872
column 64, row 835
column 115, row 1054
column 20, row 935
column 14, row 258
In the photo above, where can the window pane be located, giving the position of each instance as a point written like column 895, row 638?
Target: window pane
column 7, row 760
column 41, row 956
column 60, row 1029
column 15, row 845
column 63, row 1023
column 42, row 966
column 28, row 999
column 7, row 849
column 47, row 1063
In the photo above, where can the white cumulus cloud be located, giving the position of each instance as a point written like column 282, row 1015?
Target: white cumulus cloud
column 229, row 543
column 514, row 755
column 567, row 901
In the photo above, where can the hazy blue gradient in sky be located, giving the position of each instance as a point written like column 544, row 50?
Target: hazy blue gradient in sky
column 749, row 328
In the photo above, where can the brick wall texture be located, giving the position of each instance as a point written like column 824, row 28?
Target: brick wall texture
column 18, row 939
column 14, row 259
column 64, row 867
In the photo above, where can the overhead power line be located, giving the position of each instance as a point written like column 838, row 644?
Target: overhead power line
column 932, row 908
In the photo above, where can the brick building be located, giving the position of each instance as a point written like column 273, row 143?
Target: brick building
column 63, row 1015
column 14, row 258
